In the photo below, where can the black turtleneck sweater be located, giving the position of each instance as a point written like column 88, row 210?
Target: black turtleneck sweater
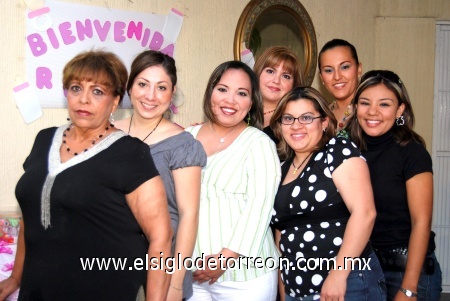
column 391, row 165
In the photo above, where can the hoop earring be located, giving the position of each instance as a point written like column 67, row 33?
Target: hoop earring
column 400, row 121
column 248, row 119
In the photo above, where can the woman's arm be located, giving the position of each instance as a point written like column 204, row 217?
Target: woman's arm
column 148, row 203
column 187, row 193
column 352, row 180
column 12, row 283
column 419, row 190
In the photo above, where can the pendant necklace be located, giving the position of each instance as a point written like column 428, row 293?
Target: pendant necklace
column 221, row 139
column 296, row 168
column 131, row 120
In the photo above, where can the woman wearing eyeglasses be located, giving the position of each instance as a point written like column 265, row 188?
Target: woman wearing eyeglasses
column 402, row 179
column 324, row 210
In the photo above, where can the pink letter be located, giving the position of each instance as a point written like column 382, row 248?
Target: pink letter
column 135, row 29
column 168, row 50
column 52, row 37
column 43, row 78
column 119, row 32
column 146, row 37
column 157, row 41
column 37, row 45
column 84, row 30
column 66, row 33
column 102, row 31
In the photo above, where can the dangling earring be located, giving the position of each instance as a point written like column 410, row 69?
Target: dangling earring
column 400, row 121
column 111, row 119
column 324, row 129
column 248, row 119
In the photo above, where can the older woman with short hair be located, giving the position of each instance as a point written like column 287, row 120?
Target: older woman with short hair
column 91, row 193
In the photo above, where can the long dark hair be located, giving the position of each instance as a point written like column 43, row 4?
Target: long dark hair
column 150, row 58
column 403, row 133
column 256, row 110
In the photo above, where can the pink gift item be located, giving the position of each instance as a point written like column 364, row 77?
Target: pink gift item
column 5, row 249
column 8, row 266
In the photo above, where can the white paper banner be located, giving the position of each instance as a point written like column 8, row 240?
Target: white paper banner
column 60, row 30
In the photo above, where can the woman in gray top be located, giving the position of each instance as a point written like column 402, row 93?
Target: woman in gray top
column 178, row 157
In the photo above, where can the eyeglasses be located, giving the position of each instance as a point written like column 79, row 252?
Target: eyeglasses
column 289, row 120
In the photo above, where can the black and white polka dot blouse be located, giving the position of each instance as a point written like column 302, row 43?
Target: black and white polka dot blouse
column 311, row 216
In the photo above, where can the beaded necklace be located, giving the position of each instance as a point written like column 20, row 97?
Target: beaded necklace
column 347, row 113
column 268, row 112
column 92, row 143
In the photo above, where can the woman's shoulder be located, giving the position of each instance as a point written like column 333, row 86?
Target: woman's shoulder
column 343, row 143
column 337, row 150
column 413, row 145
column 415, row 151
column 47, row 132
column 123, row 124
column 178, row 139
column 44, row 137
column 182, row 148
column 129, row 143
column 255, row 133
column 193, row 129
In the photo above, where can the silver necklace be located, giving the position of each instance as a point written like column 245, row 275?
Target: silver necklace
column 221, row 139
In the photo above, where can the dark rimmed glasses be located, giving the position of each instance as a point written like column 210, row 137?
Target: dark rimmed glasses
column 289, row 120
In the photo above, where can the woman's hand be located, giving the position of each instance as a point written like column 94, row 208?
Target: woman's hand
column 210, row 272
column 215, row 266
column 7, row 287
column 12, row 283
column 334, row 287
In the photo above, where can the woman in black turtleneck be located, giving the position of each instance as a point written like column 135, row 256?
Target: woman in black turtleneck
column 401, row 174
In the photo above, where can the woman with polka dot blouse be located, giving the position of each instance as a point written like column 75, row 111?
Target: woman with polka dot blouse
column 324, row 209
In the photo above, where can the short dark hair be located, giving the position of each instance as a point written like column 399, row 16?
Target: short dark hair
column 338, row 43
column 150, row 58
column 98, row 66
column 256, row 110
